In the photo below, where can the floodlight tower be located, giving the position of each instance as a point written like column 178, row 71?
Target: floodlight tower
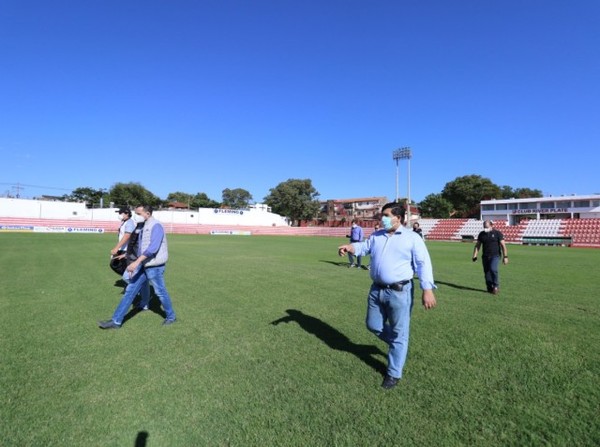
column 404, row 153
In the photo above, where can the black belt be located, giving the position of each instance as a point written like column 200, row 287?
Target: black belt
column 397, row 286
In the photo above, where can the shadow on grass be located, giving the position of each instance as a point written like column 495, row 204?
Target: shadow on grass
column 343, row 264
column 154, row 306
column 339, row 264
column 458, row 286
column 141, row 439
column 121, row 284
column 334, row 338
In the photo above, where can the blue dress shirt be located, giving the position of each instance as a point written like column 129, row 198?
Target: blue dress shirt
column 396, row 256
column 356, row 234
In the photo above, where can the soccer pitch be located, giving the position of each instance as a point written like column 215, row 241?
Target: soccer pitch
column 520, row 368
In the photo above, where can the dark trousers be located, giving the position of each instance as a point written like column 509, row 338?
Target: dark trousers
column 490, row 269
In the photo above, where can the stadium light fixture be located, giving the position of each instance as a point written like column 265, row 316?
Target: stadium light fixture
column 404, row 153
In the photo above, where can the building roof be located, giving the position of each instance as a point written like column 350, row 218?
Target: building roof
column 178, row 205
column 360, row 199
column 544, row 199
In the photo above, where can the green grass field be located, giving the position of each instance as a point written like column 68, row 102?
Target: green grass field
column 521, row 368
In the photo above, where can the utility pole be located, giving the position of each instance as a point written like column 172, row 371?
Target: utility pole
column 18, row 189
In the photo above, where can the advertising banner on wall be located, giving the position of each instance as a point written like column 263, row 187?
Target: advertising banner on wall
column 67, row 230
column 230, row 233
column 16, row 228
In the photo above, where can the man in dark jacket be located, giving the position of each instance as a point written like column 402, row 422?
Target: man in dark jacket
column 493, row 244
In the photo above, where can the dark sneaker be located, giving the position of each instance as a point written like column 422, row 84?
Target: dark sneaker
column 495, row 291
column 108, row 324
column 168, row 322
column 389, row 382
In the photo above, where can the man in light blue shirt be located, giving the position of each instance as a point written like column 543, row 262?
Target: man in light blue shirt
column 394, row 251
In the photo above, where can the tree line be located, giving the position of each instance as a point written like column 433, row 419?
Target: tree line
column 461, row 196
column 298, row 198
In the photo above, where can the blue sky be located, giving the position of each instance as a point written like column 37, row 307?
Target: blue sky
column 203, row 95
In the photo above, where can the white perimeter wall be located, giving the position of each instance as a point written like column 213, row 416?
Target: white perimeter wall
column 43, row 210
column 39, row 209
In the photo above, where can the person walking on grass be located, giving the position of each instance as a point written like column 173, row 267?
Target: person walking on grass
column 356, row 235
column 149, row 266
column 376, row 228
column 131, row 256
column 493, row 245
column 394, row 250
column 125, row 229
column 417, row 229
column 118, row 263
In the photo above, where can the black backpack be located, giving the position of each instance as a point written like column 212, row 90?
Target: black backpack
column 118, row 265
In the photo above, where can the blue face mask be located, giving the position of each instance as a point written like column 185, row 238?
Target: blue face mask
column 386, row 221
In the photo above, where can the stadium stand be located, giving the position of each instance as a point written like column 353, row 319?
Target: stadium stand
column 542, row 227
column 512, row 233
column 584, row 232
column 445, row 229
column 427, row 225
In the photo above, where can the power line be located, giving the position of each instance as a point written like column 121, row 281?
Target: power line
column 18, row 186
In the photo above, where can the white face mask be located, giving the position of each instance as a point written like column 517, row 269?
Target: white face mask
column 353, row 225
column 488, row 229
column 386, row 222
column 138, row 219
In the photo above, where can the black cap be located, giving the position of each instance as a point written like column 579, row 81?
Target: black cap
column 124, row 210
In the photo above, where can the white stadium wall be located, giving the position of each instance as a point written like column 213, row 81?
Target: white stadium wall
column 216, row 216
column 39, row 209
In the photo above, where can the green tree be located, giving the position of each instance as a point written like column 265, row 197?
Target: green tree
column 178, row 196
column 133, row 194
column 506, row 192
column 436, row 207
column 294, row 198
column 236, row 198
column 524, row 193
column 519, row 193
column 201, row 200
column 92, row 197
column 466, row 192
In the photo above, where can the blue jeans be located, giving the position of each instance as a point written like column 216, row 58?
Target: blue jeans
column 351, row 259
column 140, row 279
column 490, row 269
column 388, row 317
column 144, row 291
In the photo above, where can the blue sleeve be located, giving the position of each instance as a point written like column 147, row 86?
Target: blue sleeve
column 362, row 248
column 156, row 237
column 129, row 226
column 422, row 264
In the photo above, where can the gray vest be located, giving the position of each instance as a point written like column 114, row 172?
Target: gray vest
column 162, row 255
